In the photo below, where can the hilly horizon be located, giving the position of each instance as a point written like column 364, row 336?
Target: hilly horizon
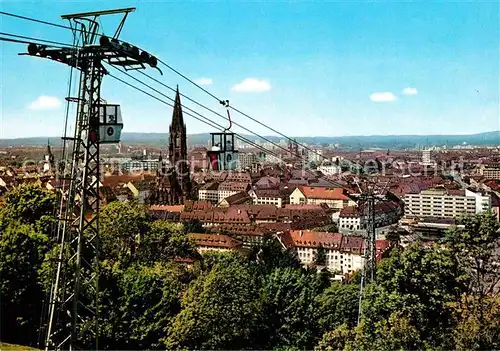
column 395, row 141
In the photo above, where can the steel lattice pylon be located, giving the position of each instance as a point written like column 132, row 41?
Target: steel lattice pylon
column 73, row 310
column 79, row 233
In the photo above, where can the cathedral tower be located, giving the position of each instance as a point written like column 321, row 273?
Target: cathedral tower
column 177, row 150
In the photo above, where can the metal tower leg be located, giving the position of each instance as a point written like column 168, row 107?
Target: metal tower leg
column 74, row 310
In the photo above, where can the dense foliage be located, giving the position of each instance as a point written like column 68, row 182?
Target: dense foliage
column 443, row 296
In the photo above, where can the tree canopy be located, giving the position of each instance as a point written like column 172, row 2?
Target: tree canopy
column 157, row 291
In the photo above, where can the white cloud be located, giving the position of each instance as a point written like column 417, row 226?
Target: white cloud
column 45, row 103
column 252, row 85
column 383, row 97
column 410, row 91
column 204, row 81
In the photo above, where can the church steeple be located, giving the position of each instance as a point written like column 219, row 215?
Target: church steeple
column 177, row 149
column 177, row 119
column 49, row 164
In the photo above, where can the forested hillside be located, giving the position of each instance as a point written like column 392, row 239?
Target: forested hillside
column 425, row 297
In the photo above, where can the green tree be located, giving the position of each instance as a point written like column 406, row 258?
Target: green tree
column 270, row 254
column 288, row 298
column 476, row 248
column 413, row 287
column 139, row 303
column 194, row 226
column 219, row 309
column 22, row 251
column 320, row 257
column 28, row 203
column 477, row 326
column 337, row 305
column 164, row 241
column 122, row 225
column 337, row 339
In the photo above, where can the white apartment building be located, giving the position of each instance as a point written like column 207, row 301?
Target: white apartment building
column 329, row 169
column 268, row 197
column 333, row 197
column 443, row 203
column 273, row 159
column 426, row 157
column 352, row 219
column 246, row 160
column 307, row 243
column 315, row 156
column 209, row 192
column 490, row 171
column 342, row 253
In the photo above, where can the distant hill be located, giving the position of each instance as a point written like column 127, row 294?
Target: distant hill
column 362, row 141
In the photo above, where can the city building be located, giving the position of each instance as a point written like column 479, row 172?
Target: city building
column 214, row 242
column 269, row 196
column 330, row 169
column 445, row 203
column 235, row 199
column 49, row 164
column 228, row 188
column 135, row 166
column 352, row 219
column 426, row 157
column 490, row 171
column 334, row 197
column 342, row 254
column 315, row 156
column 209, row 192
column 246, row 160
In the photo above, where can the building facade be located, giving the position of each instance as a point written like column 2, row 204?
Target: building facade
column 443, row 203
column 246, row 160
column 333, row 197
column 490, row 171
column 274, row 197
column 342, row 254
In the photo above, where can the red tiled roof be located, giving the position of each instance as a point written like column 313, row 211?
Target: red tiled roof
column 238, row 198
column 234, row 186
column 352, row 243
column 304, row 238
column 323, row 193
column 168, row 208
column 125, row 178
column 214, row 240
column 381, row 207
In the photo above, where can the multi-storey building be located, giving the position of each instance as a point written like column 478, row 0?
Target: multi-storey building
column 246, row 160
column 274, row 197
column 209, row 192
column 229, row 188
column 214, row 242
column 352, row 219
column 216, row 192
column 426, row 157
column 132, row 166
column 490, row 171
column 333, row 197
column 444, row 203
column 329, row 169
column 343, row 254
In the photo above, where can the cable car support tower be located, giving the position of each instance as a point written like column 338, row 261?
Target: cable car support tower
column 73, row 309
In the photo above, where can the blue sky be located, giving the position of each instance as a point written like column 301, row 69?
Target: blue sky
column 303, row 68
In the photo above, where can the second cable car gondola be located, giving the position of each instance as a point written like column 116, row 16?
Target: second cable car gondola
column 223, row 155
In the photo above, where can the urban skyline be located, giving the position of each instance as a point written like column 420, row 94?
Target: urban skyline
column 357, row 69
